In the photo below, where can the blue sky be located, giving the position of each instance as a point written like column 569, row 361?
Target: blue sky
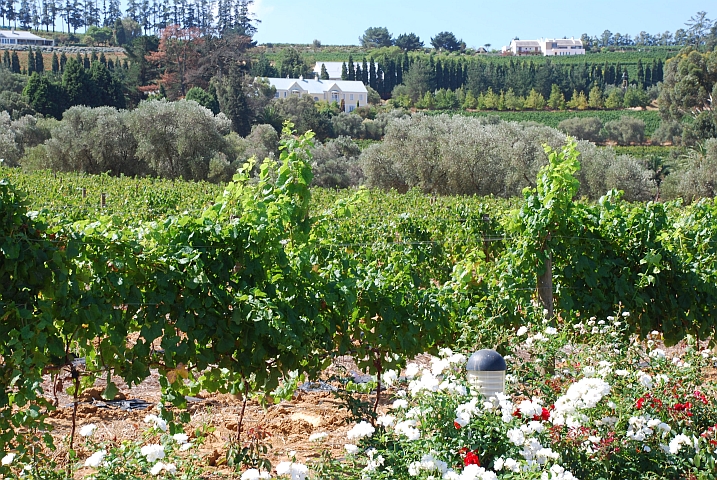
column 477, row 22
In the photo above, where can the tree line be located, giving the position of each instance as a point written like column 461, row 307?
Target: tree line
column 151, row 15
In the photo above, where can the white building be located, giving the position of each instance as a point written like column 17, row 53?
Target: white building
column 350, row 94
column 14, row 37
column 332, row 68
column 546, row 46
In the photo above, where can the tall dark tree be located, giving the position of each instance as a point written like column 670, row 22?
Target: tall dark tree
column 324, row 73
column 30, row 61
column 344, row 72
column 243, row 18
column 55, row 63
column 408, row 42
column 45, row 96
column 6, row 62
column 233, row 103
column 15, row 62
column 24, row 15
column 446, row 41
column 372, row 79
column 364, row 71
column 39, row 61
column 375, row 37
column 77, row 85
column 351, row 69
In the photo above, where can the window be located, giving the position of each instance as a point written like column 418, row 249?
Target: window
column 316, row 99
column 351, row 96
column 276, row 95
column 351, row 108
column 334, row 95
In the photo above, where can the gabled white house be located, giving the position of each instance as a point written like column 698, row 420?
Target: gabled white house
column 14, row 37
column 546, row 46
column 350, row 94
column 332, row 68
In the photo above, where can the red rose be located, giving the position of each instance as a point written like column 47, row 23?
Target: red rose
column 471, row 458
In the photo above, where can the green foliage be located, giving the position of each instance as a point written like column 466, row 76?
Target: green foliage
column 376, row 37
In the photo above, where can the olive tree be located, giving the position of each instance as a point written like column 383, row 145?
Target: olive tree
column 177, row 139
column 458, row 155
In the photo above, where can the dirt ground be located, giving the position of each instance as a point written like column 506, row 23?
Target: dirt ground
column 289, row 423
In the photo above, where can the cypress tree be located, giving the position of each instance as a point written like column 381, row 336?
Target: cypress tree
column 77, row 85
column 63, row 61
column 6, row 59
column 30, row 61
column 372, row 74
column 103, row 59
column 86, row 62
column 438, row 69
column 344, row 72
column 324, row 72
column 120, row 34
column 232, row 101
column 94, row 58
column 110, row 64
column 359, row 74
column 15, row 62
column 640, row 73
column 352, row 69
column 39, row 61
column 364, row 72
column 55, row 63
column 648, row 76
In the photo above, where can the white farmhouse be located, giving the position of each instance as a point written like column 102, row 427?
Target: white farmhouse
column 350, row 94
column 332, row 68
column 14, row 37
column 546, row 46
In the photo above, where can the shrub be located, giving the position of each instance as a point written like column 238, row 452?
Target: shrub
column 586, row 128
column 625, row 131
column 697, row 177
column 335, row 164
column 669, row 131
column 348, row 124
column 471, row 156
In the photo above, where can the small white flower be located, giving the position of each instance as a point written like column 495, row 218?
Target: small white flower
column 254, row 474
column 186, row 446
column 7, row 459
column 157, row 421
column 95, row 459
column 180, row 438
column 317, row 437
column 522, row 331
column 88, row 430
column 400, row 403
column 551, row 331
column 626, row 314
column 153, row 452
column 296, row 471
column 157, row 468
column 386, row 420
column 361, row 430
column 351, row 449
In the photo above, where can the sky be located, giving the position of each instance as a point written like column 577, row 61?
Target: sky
column 476, row 22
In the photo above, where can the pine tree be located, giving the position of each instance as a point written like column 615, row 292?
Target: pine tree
column 120, row 34
column 595, row 99
column 77, row 84
column 324, row 73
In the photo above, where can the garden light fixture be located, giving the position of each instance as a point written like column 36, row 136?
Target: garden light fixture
column 486, row 370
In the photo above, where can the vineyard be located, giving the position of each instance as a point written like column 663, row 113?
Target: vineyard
column 235, row 289
column 552, row 119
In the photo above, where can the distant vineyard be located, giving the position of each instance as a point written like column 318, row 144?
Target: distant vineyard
column 552, row 119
